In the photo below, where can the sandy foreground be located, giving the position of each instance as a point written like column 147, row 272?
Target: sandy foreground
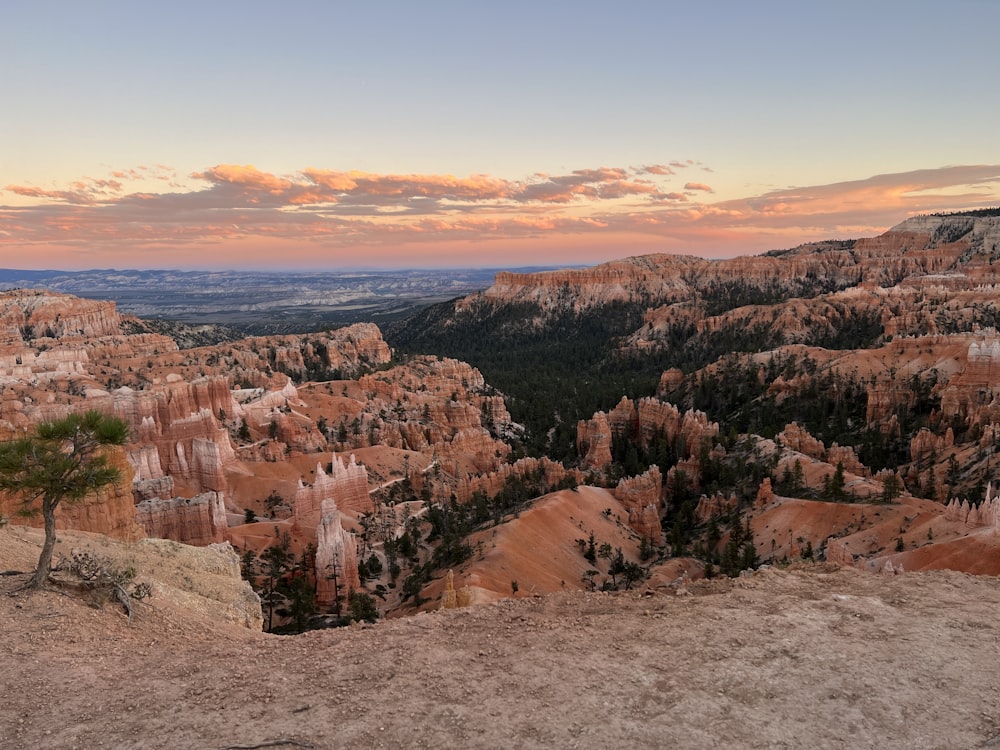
column 811, row 657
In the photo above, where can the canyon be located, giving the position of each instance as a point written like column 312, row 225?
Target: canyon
column 336, row 448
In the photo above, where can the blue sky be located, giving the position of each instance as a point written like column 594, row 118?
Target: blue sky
column 470, row 133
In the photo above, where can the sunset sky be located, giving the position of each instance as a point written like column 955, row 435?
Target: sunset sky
column 328, row 135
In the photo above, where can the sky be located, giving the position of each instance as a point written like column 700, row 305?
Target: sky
column 329, row 135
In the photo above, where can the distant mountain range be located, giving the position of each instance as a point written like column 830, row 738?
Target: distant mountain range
column 261, row 301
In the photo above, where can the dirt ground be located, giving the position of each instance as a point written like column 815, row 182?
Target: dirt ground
column 811, row 657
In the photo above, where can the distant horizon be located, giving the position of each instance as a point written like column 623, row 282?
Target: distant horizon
column 298, row 271
column 398, row 135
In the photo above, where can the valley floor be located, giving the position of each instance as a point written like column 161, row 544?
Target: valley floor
column 803, row 657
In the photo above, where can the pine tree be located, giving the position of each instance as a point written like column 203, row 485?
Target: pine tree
column 63, row 461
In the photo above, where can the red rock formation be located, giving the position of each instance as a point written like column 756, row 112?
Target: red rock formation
column 885, row 397
column 346, row 350
column 195, row 452
column 149, row 481
column 912, row 248
column 670, row 380
column 765, row 494
column 346, row 485
column 552, row 473
column 798, row 439
column 437, row 406
column 644, row 421
column 430, row 375
column 716, row 505
column 986, row 514
column 180, row 420
column 297, row 432
column 200, row 520
column 473, row 449
column 642, row 497
column 593, row 440
column 974, row 392
column 28, row 314
column 838, row 552
column 336, row 556
column 629, row 279
column 449, row 597
column 843, row 454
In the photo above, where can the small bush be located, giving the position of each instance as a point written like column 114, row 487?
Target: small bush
column 106, row 579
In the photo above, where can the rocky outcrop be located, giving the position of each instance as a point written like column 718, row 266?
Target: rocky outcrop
column 325, row 355
column 181, row 420
column 336, row 557
column 765, row 494
column 846, row 456
column 201, row 461
column 885, row 397
column 926, row 444
column 838, row 552
column 439, row 406
column 645, row 421
column 660, row 276
column 472, row 449
column 714, row 506
column 298, row 433
column 670, row 380
column 29, row 315
column 451, row 599
column 642, row 497
column 918, row 246
column 797, row 438
column 199, row 520
column 593, row 440
column 550, row 473
column 149, row 481
column 986, row 514
column 346, row 485
column 973, row 394
column 167, row 401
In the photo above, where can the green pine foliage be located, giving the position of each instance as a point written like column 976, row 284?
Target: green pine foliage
column 63, row 462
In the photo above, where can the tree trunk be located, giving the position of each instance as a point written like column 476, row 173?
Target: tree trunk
column 45, row 559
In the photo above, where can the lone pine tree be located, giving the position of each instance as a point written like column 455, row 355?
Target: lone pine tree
column 63, row 461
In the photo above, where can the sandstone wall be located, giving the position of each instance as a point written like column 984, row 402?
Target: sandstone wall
column 346, row 485
column 199, row 520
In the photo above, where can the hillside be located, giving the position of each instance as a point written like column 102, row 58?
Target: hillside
column 877, row 318
column 812, row 656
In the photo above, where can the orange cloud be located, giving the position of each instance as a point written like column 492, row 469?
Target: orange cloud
column 232, row 205
column 660, row 169
column 248, row 176
column 64, row 196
